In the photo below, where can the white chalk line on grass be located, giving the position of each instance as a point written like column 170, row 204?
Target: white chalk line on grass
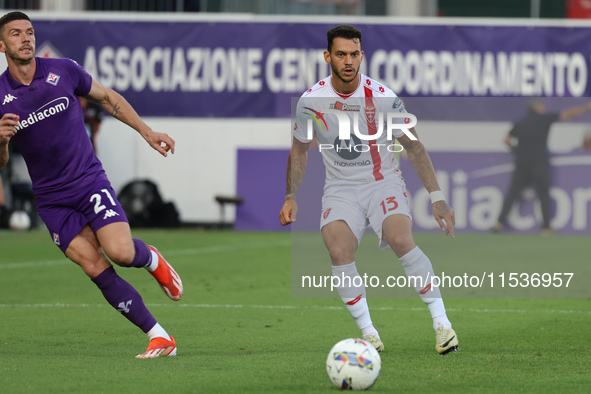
column 294, row 307
column 179, row 252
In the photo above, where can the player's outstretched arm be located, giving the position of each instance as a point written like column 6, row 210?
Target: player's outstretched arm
column 119, row 108
column 296, row 167
column 8, row 125
column 421, row 162
column 574, row 112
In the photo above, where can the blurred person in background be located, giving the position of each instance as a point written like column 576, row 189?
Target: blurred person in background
column 3, row 210
column 586, row 145
column 93, row 116
column 528, row 140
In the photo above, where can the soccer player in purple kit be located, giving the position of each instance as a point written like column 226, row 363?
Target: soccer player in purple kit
column 41, row 113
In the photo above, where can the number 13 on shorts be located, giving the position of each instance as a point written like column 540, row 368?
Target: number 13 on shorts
column 389, row 204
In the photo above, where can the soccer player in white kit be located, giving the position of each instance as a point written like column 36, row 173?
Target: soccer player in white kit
column 363, row 182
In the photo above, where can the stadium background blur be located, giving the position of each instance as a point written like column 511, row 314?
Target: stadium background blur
column 231, row 118
column 242, row 326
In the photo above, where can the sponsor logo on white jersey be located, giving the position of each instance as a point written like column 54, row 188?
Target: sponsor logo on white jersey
column 344, row 107
column 8, row 98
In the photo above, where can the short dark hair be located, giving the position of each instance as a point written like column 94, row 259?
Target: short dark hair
column 344, row 31
column 11, row 16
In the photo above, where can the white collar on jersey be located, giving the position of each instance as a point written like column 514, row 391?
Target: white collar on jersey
column 346, row 95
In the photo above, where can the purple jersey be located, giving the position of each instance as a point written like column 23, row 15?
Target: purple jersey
column 51, row 134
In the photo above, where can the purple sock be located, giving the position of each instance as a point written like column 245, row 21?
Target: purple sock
column 143, row 256
column 123, row 297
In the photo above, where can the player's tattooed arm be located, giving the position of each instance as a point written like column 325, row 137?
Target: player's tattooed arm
column 120, row 109
column 296, row 167
column 115, row 111
column 421, row 162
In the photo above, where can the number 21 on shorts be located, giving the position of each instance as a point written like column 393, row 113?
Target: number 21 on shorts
column 97, row 198
column 389, row 204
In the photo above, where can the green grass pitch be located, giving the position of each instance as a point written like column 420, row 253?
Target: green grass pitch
column 238, row 329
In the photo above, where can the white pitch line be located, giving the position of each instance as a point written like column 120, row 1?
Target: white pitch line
column 321, row 307
column 29, row 264
column 226, row 248
column 179, row 252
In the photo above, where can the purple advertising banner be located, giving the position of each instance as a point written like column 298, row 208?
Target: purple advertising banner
column 253, row 68
column 474, row 183
column 261, row 183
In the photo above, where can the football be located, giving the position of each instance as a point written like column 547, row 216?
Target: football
column 20, row 221
column 353, row 364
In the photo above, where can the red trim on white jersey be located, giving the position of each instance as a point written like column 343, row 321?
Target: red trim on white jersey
column 371, row 128
column 344, row 96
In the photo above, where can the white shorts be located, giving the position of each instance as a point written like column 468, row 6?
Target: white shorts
column 363, row 205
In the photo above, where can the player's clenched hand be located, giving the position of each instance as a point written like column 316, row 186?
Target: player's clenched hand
column 8, row 125
column 288, row 212
column 445, row 217
column 161, row 142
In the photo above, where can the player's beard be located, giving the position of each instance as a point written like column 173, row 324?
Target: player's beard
column 21, row 61
column 339, row 76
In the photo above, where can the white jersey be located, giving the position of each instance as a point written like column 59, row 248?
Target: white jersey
column 353, row 160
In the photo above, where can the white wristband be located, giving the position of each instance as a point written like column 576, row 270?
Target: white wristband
column 437, row 195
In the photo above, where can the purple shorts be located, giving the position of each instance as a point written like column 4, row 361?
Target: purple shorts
column 96, row 206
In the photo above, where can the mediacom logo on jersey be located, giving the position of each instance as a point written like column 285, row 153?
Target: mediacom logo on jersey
column 51, row 108
column 391, row 120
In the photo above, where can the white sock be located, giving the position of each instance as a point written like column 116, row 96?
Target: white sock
column 417, row 264
column 158, row 332
column 442, row 321
column 370, row 330
column 153, row 263
column 352, row 291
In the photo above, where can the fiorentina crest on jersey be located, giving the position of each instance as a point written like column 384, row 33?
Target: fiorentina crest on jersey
column 52, row 79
